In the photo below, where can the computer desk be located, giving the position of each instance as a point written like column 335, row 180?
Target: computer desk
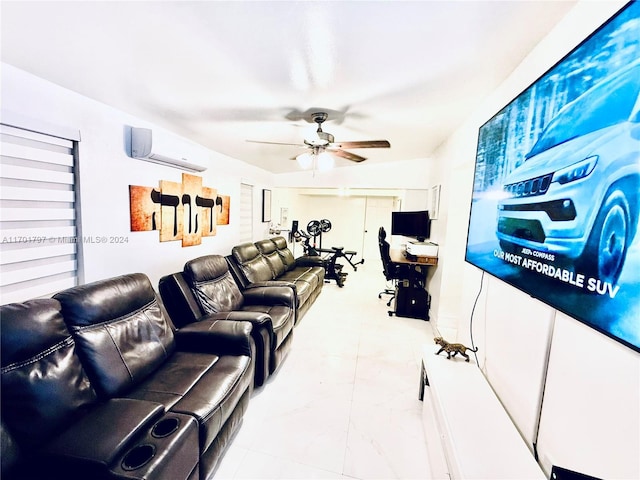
column 412, row 300
column 398, row 254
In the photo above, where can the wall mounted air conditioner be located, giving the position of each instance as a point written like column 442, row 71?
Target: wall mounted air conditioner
column 165, row 150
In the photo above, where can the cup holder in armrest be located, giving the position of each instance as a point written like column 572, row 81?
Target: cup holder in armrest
column 138, row 456
column 165, row 427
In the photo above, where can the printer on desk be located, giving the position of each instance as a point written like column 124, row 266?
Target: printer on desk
column 422, row 249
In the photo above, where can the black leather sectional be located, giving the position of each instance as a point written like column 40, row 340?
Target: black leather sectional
column 270, row 262
column 99, row 382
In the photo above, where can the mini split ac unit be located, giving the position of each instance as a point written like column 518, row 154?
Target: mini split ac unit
column 163, row 149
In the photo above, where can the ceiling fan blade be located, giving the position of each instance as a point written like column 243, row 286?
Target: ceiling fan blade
column 348, row 155
column 277, row 143
column 364, row 144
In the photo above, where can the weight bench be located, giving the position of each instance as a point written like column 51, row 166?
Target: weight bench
column 348, row 255
column 333, row 270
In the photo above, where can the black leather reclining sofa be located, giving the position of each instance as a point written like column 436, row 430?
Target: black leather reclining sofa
column 270, row 262
column 206, row 290
column 98, row 384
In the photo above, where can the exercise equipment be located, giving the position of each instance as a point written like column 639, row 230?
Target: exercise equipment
column 316, row 228
column 330, row 256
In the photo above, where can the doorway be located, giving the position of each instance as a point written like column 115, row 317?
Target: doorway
column 377, row 214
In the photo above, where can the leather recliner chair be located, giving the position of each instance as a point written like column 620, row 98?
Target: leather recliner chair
column 97, row 384
column 206, row 290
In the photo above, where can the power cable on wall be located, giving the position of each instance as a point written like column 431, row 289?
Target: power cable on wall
column 473, row 346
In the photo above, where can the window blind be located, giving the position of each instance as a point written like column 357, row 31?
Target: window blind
column 38, row 234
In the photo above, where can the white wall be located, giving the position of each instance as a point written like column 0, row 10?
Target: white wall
column 588, row 385
column 346, row 215
column 355, row 215
column 591, row 415
column 409, row 174
column 106, row 173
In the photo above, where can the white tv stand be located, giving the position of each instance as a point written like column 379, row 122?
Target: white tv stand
column 469, row 434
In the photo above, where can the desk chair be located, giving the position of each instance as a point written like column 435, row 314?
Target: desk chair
column 394, row 272
column 391, row 273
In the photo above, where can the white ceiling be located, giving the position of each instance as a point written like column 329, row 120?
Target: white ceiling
column 221, row 73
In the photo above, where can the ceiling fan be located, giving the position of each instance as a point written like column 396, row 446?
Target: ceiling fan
column 324, row 142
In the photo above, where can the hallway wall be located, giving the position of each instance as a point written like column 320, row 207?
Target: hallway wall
column 105, row 173
column 573, row 392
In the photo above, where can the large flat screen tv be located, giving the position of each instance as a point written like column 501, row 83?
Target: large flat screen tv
column 411, row 224
column 555, row 201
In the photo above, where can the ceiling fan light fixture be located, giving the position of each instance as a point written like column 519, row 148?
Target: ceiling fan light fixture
column 325, row 161
column 305, row 160
column 318, row 142
column 317, row 139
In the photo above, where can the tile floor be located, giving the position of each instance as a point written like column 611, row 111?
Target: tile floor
column 344, row 402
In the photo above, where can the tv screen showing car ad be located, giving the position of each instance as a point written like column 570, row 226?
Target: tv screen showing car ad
column 555, row 200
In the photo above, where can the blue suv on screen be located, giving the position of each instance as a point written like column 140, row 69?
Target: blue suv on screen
column 576, row 194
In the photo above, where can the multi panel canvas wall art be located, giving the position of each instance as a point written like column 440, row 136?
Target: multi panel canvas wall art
column 207, row 204
column 171, row 211
column 191, row 215
column 184, row 211
column 145, row 211
column 223, row 211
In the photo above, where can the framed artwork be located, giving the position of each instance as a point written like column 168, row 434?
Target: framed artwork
column 435, row 202
column 284, row 216
column 266, row 205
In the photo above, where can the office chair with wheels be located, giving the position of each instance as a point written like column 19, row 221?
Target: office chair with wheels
column 394, row 272
column 384, row 246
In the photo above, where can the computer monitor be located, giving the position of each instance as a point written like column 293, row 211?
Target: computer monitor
column 414, row 224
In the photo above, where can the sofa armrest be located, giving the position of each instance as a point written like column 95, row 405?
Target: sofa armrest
column 310, row 261
column 257, row 319
column 272, row 283
column 220, row 337
column 93, row 443
column 271, row 295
